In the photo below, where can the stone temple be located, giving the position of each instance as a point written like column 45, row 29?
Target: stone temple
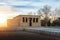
column 25, row 21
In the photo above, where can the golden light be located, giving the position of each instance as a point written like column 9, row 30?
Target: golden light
column 3, row 19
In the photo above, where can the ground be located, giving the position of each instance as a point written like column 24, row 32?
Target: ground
column 22, row 35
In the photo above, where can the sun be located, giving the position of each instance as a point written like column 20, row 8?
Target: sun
column 3, row 19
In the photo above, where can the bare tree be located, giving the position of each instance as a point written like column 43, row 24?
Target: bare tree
column 46, row 10
column 57, row 11
column 39, row 12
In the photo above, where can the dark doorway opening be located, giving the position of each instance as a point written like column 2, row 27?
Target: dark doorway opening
column 30, row 21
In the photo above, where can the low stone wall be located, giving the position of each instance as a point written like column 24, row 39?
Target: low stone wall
column 55, row 36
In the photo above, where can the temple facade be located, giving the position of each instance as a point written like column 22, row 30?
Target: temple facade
column 25, row 21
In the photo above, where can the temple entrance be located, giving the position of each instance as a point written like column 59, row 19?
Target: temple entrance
column 30, row 21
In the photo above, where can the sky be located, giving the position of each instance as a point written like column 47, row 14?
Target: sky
column 16, row 7
column 12, row 8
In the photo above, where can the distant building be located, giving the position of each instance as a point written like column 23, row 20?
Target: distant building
column 25, row 21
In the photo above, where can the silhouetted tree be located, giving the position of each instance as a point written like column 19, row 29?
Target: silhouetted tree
column 56, row 22
column 46, row 10
column 49, row 23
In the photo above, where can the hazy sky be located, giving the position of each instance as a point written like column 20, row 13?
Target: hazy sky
column 17, row 6
column 11, row 8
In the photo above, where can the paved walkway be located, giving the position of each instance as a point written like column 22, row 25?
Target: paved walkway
column 21, row 35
